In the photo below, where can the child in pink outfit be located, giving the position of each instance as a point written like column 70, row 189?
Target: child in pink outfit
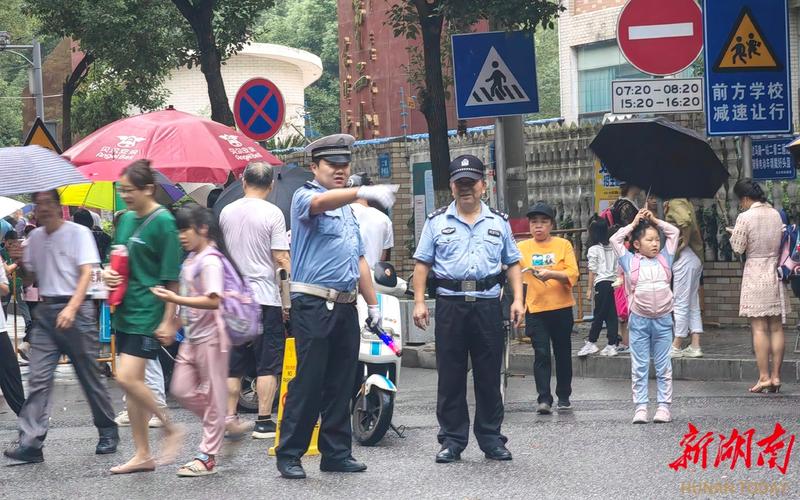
column 199, row 381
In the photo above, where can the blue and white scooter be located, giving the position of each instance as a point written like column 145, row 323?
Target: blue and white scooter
column 379, row 360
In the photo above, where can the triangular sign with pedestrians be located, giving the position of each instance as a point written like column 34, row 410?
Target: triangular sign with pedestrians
column 747, row 48
column 496, row 84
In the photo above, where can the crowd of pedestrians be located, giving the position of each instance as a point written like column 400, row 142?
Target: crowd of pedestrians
column 645, row 277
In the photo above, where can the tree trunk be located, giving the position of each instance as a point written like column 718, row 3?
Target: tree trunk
column 68, row 90
column 211, row 66
column 201, row 18
column 433, row 102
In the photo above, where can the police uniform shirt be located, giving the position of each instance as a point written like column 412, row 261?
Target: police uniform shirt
column 459, row 251
column 325, row 247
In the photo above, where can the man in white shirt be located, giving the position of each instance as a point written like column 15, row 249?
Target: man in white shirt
column 61, row 255
column 375, row 226
column 254, row 231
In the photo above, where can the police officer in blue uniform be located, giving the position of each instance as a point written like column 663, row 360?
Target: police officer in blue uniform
column 328, row 270
column 461, row 254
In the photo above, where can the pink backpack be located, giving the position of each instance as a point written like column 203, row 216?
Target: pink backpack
column 636, row 263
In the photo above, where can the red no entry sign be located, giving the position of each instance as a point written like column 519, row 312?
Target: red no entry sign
column 259, row 109
column 660, row 37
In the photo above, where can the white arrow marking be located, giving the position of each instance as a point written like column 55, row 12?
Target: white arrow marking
column 660, row 31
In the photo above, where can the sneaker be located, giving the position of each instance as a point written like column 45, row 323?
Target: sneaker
column 122, row 419
column 609, row 350
column 587, row 349
column 564, row 406
column 544, row 409
column 640, row 415
column 155, row 422
column 675, row 353
column 264, row 429
column 691, row 352
column 622, row 348
column 662, row 416
column 24, row 350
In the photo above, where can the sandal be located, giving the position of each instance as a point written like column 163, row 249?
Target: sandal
column 201, row 465
column 761, row 387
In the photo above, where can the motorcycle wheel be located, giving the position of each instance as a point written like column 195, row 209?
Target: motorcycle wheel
column 248, row 397
column 371, row 424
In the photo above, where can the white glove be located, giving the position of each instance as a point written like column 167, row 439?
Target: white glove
column 374, row 318
column 382, row 194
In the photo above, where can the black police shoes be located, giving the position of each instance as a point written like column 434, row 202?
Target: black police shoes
column 448, row 455
column 291, row 469
column 499, row 453
column 109, row 439
column 349, row 464
column 24, row 454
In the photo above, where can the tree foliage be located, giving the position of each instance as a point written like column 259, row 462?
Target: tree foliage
column 310, row 25
column 547, row 74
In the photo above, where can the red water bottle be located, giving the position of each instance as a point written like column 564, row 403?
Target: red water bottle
column 118, row 260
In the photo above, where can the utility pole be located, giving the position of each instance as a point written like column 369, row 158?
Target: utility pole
column 35, row 79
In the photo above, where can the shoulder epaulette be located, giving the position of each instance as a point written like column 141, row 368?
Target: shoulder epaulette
column 438, row 211
column 309, row 185
column 498, row 212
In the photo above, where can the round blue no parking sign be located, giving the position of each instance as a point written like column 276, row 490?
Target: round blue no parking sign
column 259, row 109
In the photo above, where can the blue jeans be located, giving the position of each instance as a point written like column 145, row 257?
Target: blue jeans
column 651, row 338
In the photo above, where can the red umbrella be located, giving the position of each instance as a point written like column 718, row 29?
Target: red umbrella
column 183, row 147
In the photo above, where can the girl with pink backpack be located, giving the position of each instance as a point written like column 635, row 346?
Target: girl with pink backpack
column 199, row 382
column 648, row 272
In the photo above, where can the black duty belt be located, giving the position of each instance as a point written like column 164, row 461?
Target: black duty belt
column 480, row 285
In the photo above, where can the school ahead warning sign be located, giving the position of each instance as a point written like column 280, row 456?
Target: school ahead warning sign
column 747, row 83
column 495, row 74
column 747, row 48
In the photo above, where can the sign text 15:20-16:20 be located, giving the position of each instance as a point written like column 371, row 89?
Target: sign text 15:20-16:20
column 657, row 96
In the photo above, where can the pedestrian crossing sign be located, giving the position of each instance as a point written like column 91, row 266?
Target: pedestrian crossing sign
column 748, row 48
column 495, row 74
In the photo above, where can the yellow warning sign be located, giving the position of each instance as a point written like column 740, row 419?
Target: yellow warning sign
column 40, row 136
column 288, row 373
column 747, row 48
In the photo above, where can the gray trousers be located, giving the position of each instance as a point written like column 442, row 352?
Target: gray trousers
column 47, row 344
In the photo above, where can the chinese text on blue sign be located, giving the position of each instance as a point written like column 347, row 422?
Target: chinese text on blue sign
column 495, row 74
column 748, row 91
column 771, row 160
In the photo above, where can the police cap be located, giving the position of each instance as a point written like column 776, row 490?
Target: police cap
column 466, row 166
column 334, row 149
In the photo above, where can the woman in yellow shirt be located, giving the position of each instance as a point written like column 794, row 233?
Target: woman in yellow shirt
column 553, row 271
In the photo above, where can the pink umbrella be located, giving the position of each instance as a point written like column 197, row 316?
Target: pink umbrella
column 183, row 147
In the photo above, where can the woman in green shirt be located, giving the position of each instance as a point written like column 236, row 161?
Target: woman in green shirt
column 142, row 321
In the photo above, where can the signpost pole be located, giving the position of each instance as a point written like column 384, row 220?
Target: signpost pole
column 38, row 87
column 747, row 156
column 500, row 162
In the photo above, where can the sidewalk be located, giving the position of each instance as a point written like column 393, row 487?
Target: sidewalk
column 727, row 356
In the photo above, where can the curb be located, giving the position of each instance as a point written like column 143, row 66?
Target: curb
column 619, row 367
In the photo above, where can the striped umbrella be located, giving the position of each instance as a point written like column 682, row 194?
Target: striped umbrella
column 29, row 169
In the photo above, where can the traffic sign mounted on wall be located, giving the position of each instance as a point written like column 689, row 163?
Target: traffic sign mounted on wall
column 259, row 109
column 660, row 37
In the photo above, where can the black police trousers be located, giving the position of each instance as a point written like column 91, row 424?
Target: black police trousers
column 327, row 344
column 474, row 329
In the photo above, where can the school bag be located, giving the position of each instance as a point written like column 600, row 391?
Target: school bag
column 789, row 261
column 239, row 314
column 623, row 298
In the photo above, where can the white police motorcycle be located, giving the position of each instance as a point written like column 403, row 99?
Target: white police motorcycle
column 378, row 362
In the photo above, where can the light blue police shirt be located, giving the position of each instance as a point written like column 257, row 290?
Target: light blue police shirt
column 325, row 247
column 459, row 251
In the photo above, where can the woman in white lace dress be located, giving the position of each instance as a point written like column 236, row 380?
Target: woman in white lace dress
column 758, row 235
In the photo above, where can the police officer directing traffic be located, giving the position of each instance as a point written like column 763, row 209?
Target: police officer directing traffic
column 463, row 249
column 328, row 263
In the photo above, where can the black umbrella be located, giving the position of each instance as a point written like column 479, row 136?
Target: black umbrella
column 286, row 181
column 658, row 155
